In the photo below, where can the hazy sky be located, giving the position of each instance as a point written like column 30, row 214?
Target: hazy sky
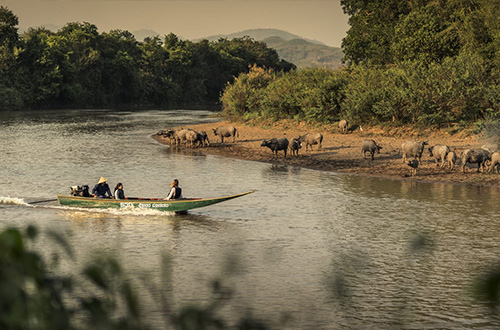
column 321, row 20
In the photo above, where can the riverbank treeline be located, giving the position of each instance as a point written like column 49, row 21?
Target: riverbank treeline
column 79, row 67
column 420, row 62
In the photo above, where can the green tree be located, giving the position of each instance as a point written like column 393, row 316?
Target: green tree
column 82, row 77
column 245, row 95
column 426, row 34
column 10, row 94
column 183, row 67
column 372, row 29
column 40, row 62
column 120, row 77
column 157, row 89
column 8, row 29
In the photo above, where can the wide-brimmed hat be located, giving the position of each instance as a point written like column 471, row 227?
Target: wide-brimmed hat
column 102, row 179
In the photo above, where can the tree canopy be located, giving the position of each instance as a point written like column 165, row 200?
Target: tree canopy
column 392, row 31
column 78, row 66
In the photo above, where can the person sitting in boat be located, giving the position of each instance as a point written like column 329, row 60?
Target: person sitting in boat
column 175, row 192
column 101, row 189
column 119, row 194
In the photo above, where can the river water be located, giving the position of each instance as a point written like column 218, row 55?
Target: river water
column 319, row 250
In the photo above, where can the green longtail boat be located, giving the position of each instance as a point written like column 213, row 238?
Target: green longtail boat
column 178, row 205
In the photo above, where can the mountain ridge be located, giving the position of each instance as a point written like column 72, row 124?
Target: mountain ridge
column 260, row 34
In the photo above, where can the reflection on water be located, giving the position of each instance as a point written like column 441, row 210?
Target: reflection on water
column 331, row 251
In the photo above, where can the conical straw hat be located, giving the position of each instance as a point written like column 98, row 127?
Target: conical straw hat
column 102, row 179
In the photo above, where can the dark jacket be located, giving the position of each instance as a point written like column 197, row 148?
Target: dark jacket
column 101, row 190
column 178, row 193
column 121, row 194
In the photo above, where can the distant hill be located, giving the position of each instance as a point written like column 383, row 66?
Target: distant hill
column 300, row 51
column 261, row 34
column 303, row 53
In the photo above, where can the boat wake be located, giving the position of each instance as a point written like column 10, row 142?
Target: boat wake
column 13, row 201
column 122, row 211
column 113, row 211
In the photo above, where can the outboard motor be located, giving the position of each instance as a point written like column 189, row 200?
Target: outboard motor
column 82, row 191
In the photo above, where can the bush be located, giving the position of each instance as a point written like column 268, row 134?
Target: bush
column 308, row 94
column 246, row 93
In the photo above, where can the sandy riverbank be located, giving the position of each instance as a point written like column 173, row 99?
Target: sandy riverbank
column 342, row 152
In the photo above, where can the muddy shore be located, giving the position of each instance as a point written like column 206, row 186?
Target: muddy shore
column 342, row 152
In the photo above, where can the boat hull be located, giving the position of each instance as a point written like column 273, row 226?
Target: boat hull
column 178, row 206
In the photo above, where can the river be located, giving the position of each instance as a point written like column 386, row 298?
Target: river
column 319, row 249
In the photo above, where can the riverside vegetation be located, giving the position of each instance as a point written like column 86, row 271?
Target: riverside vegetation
column 78, row 67
column 425, row 63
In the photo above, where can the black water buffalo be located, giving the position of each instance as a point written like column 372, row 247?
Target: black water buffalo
column 275, row 145
column 371, row 147
column 311, row 139
column 203, row 138
column 169, row 134
column 413, row 149
column 354, row 127
column 225, row 131
column 413, row 166
column 295, row 145
column 439, row 153
column 196, row 138
column 475, row 156
column 343, row 126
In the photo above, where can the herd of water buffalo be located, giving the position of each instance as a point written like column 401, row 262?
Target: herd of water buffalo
column 194, row 138
column 487, row 157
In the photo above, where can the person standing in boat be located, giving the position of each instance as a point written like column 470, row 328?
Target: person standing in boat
column 119, row 194
column 101, row 189
column 175, row 192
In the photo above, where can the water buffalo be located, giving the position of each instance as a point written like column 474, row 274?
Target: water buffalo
column 371, row 147
column 413, row 149
column 169, row 134
column 196, row 138
column 179, row 136
column 354, row 127
column 451, row 158
column 439, row 152
column 225, row 131
column 495, row 161
column 343, row 126
column 275, row 145
column 295, row 145
column 475, row 156
column 311, row 139
column 413, row 166
column 203, row 138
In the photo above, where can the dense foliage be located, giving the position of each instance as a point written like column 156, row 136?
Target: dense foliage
column 310, row 94
column 98, row 295
column 79, row 67
column 425, row 62
column 36, row 294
